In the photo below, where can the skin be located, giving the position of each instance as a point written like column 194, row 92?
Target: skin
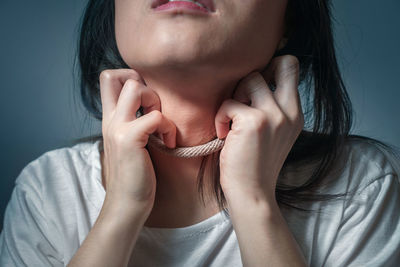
column 194, row 63
column 209, row 92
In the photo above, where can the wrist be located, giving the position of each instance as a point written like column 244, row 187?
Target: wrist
column 120, row 210
column 252, row 196
column 255, row 203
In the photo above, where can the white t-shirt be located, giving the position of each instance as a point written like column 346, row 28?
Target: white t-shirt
column 58, row 197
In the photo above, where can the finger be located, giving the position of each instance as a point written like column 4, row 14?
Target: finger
column 156, row 122
column 254, row 89
column 229, row 110
column 133, row 95
column 111, row 82
column 284, row 70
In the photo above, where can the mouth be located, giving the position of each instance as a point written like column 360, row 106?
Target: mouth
column 208, row 4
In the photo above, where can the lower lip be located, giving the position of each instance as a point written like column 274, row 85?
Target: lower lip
column 182, row 6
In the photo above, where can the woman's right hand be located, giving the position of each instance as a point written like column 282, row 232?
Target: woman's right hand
column 129, row 173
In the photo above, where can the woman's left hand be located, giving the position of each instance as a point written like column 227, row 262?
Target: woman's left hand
column 262, row 133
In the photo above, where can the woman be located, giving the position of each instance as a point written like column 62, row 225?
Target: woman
column 278, row 195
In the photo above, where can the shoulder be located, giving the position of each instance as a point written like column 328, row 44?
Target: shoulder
column 60, row 167
column 352, row 230
column 368, row 161
column 373, row 152
column 44, row 216
column 358, row 163
column 370, row 215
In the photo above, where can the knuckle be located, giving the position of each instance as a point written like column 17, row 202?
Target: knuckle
column 225, row 105
column 280, row 120
column 131, row 83
column 259, row 120
column 113, row 133
column 106, row 75
column 291, row 60
column 133, row 87
column 298, row 121
column 289, row 63
column 156, row 115
column 298, row 116
column 118, row 138
column 292, row 63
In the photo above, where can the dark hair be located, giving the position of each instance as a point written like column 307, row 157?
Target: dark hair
column 310, row 39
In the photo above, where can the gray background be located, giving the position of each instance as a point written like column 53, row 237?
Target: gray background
column 39, row 112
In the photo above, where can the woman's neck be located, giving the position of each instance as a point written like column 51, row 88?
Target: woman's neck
column 192, row 107
column 191, row 104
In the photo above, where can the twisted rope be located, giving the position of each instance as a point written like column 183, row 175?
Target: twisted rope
column 185, row 152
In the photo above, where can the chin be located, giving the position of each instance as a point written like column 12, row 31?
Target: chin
column 164, row 57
